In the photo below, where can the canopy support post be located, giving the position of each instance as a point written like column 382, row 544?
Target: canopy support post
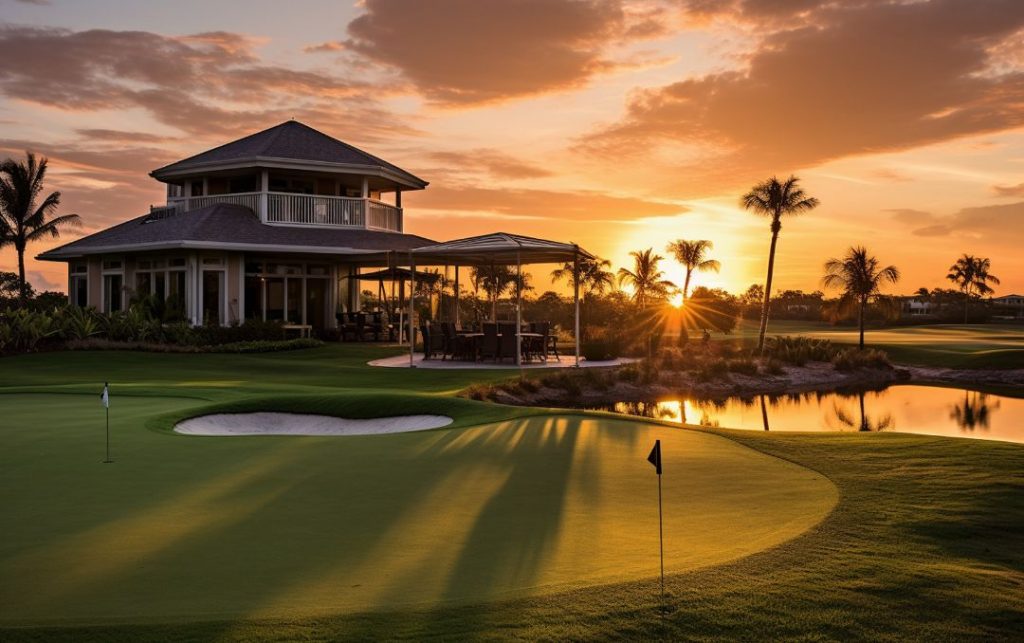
column 519, row 309
column 412, row 311
column 456, row 293
column 576, row 299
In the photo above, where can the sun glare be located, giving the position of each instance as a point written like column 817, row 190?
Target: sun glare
column 676, row 300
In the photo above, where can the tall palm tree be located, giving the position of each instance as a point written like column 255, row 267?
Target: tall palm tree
column 693, row 255
column 22, row 219
column 774, row 199
column 970, row 273
column 646, row 278
column 496, row 280
column 593, row 273
column 859, row 276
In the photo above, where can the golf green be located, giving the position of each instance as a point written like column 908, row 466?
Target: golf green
column 185, row 528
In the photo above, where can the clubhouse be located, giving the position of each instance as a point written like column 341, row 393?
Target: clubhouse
column 274, row 226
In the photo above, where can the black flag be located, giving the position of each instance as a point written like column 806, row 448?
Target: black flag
column 655, row 456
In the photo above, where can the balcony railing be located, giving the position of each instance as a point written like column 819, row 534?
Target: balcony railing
column 250, row 200
column 282, row 208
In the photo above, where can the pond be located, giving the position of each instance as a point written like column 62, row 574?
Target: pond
column 904, row 408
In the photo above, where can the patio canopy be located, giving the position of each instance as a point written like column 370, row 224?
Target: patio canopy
column 499, row 248
column 396, row 274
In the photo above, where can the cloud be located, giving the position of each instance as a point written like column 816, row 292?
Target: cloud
column 209, row 85
column 460, row 52
column 121, row 136
column 1009, row 190
column 41, row 282
column 488, row 161
column 847, row 79
column 1001, row 225
column 580, row 205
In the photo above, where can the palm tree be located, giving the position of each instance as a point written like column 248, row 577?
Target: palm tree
column 860, row 277
column 971, row 273
column 594, row 275
column 495, row 280
column 647, row 280
column 774, row 199
column 21, row 219
column 693, row 256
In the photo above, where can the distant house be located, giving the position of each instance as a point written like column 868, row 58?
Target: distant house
column 917, row 307
column 271, row 226
column 1015, row 302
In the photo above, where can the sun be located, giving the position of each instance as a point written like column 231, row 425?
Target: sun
column 677, row 300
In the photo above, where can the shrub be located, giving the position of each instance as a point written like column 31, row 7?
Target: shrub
column 600, row 349
column 744, row 365
column 773, row 367
column 799, row 350
column 851, row 359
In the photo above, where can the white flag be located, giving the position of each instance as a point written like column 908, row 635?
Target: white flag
column 105, row 396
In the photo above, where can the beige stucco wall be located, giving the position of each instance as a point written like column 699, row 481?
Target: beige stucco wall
column 234, row 275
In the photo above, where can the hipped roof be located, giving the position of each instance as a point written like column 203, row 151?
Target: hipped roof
column 499, row 248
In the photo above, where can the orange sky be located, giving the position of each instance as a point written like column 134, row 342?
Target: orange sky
column 615, row 124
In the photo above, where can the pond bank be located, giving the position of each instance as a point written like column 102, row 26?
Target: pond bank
column 585, row 390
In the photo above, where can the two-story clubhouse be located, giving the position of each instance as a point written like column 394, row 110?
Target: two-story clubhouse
column 270, row 226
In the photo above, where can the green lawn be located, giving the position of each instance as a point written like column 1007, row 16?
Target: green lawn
column 513, row 523
column 942, row 345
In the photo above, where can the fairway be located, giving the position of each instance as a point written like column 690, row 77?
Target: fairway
column 939, row 345
column 192, row 528
column 530, row 523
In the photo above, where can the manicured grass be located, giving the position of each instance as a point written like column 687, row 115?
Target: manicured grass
column 946, row 345
column 517, row 523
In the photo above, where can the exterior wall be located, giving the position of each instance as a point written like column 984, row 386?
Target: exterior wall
column 95, row 282
column 234, row 288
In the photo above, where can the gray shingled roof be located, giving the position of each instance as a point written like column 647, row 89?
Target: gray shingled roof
column 292, row 141
column 231, row 227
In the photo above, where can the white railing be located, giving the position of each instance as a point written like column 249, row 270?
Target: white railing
column 304, row 209
column 383, row 216
column 249, row 200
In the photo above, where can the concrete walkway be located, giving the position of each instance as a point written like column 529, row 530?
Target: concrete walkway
column 565, row 361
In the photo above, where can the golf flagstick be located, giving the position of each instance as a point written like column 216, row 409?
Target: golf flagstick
column 655, row 459
column 105, row 397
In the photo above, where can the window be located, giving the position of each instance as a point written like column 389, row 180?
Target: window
column 253, row 297
column 213, row 291
column 79, row 294
column 143, row 284
column 113, row 293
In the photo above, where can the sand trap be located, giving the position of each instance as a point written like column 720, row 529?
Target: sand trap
column 302, row 424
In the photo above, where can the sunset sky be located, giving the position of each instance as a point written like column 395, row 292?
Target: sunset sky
column 615, row 124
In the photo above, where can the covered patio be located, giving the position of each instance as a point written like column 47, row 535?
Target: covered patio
column 501, row 249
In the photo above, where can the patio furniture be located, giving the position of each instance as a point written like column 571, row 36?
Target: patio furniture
column 506, row 340
column 488, row 348
column 347, row 326
column 433, row 342
column 304, row 330
column 538, row 345
column 551, row 343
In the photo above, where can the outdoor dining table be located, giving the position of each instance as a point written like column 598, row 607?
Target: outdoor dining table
column 476, row 337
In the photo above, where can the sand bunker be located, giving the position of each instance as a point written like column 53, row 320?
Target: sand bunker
column 302, row 424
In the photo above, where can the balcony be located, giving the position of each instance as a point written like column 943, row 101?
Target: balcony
column 281, row 208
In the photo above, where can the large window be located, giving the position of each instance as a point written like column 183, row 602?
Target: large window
column 213, row 297
column 78, row 285
column 113, row 292
column 164, row 280
column 294, row 293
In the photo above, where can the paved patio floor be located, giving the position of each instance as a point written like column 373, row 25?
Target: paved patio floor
column 565, row 361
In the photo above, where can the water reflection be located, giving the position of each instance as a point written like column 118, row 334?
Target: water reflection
column 973, row 412
column 911, row 409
